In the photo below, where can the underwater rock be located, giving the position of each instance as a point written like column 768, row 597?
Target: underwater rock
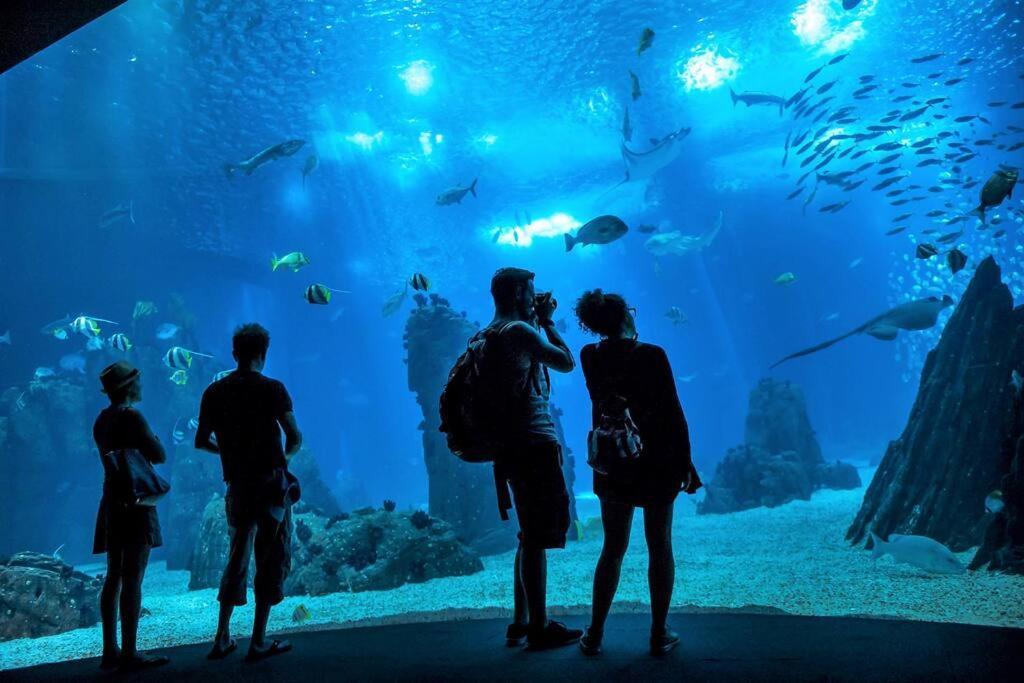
column 211, row 548
column 375, row 550
column 315, row 493
column 781, row 460
column 41, row 595
column 194, row 475
column 1003, row 547
column 961, row 436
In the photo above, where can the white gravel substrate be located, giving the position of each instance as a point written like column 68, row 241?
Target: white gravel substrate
column 791, row 558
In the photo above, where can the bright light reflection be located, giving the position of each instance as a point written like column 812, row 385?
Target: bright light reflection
column 418, row 76
column 708, row 70
column 826, row 24
column 555, row 225
column 364, row 140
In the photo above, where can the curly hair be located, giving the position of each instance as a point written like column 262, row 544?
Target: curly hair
column 250, row 342
column 600, row 313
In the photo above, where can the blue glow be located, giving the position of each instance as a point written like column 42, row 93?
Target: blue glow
column 418, row 76
column 554, row 225
column 365, row 141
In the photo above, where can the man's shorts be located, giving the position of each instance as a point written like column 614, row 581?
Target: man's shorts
column 253, row 528
column 534, row 473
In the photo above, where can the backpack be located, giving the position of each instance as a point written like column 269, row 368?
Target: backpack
column 471, row 409
column 615, row 441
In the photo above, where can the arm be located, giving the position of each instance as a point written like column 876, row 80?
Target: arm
column 676, row 429
column 587, row 363
column 552, row 351
column 150, row 445
column 286, row 418
column 204, row 431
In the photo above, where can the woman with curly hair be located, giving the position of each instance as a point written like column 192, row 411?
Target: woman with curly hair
column 616, row 368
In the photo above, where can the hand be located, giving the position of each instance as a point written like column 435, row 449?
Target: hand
column 545, row 305
column 692, row 482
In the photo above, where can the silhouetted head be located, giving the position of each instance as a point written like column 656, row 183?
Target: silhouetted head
column 606, row 315
column 249, row 345
column 122, row 382
column 513, row 292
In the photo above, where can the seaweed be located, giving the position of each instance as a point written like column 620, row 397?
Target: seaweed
column 421, row 520
column 389, row 505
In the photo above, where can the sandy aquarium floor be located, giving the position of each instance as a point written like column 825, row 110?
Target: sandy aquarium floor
column 792, row 558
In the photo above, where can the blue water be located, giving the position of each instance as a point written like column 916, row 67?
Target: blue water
column 401, row 101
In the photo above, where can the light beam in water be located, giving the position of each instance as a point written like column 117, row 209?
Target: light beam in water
column 555, row 225
column 707, row 70
column 418, row 76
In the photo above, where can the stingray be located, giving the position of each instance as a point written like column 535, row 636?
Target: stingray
column 642, row 165
column 914, row 315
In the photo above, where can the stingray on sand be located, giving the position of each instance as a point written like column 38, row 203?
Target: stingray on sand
column 914, row 315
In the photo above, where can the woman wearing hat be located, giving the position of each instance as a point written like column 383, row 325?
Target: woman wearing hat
column 124, row 531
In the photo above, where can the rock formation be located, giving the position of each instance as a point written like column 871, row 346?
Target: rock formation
column 780, row 460
column 962, row 436
column 367, row 550
column 41, row 595
column 462, row 494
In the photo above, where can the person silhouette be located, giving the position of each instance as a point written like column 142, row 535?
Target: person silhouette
column 241, row 417
column 620, row 367
column 126, row 532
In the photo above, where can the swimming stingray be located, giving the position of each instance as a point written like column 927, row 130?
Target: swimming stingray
column 642, row 165
column 677, row 244
column 914, row 315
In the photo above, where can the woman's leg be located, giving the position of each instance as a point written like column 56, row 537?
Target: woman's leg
column 617, row 520
column 133, row 570
column 108, row 604
column 661, row 570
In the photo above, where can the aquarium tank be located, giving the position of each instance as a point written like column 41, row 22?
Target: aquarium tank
column 824, row 231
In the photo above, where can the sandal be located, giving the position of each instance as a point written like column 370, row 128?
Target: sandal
column 276, row 647
column 220, row 653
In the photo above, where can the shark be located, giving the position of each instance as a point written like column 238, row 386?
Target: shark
column 643, row 165
column 919, row 314
column 677, row 244
column 754, row 98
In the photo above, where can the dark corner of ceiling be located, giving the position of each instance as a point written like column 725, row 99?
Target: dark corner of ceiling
column 28, row 26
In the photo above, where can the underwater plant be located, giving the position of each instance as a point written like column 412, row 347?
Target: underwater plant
column 389, row 505
column 421, row 519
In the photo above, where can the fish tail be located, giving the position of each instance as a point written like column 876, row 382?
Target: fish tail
column 732, row 94
column 472, row 187
column 570, row 242
column 979, row 212
column 879, row 546
column 229, row 170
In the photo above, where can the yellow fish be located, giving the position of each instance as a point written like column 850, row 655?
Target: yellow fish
column 301, row 614
column 179, row 377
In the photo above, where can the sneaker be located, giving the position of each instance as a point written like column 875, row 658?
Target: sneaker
column 515, row 634
column 554, row 634
column 590, row 643
column 664, row 642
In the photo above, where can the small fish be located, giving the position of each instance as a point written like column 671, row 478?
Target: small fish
column 910, row 115
column 965, row 60
column 676, row 315
column 956, row 260
column 647, row 228
column 117, row 214
column 294, row 260
column 312, row 161
column 856, row 262
column 627, row 130
column 395, row 301
column 928, row 162
column 826, row 87
column 6, row 338
column 994, row 501
column 318, row 294
column 814, row 73
column 143, row 309
column 420, row 282
column 177, row 434
column 61, row 333
column 301, row 614
column 935, row 212
column 646, row 40
column 896, row 231
column 954, row 81
column 179, row 377
column 838, row 58
column 786, row 278
column 166, row 331
column 926, row 58
column 887, row 182
column 43, row 373
column 454, row 195
column 926, row 251
column 634, row 86
column 830, row 317
column 120, row 342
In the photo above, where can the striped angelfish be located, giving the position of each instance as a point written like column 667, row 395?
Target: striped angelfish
column 120, row 342
column 420, row 282
column 178, row 358
column 320, row 294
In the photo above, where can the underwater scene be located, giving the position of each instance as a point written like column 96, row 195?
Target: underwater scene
column 814, row 208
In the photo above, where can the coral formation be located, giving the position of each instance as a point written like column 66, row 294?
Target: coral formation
column 41, row 595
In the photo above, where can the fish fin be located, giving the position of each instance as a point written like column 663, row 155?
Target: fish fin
column 229, row 170
column 732, row 94
column 472, row 187
column 274, row 263
column 131, row 211
column 878, row 548
column 570, row 242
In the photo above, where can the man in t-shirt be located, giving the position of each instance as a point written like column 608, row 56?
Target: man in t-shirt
column 241, row 418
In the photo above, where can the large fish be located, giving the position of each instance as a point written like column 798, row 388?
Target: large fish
column 601, row 230
column 454, row 195
column 920, row 551
column 997, row 188
column 752, row 99
column 914, row 315
column 677, row 244
column 643, row 165
column 278, row 151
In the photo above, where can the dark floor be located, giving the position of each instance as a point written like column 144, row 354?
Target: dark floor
column 716, row 647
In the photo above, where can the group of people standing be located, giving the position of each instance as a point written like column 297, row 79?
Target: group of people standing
column 242, row 418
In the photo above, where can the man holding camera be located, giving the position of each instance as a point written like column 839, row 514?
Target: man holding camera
column 522, row 344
